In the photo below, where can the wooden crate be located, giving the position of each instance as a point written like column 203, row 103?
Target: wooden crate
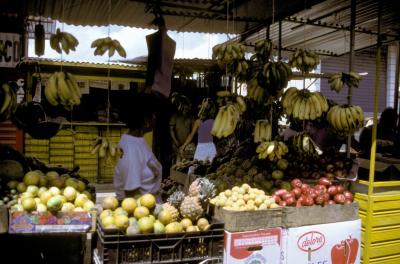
column 237, row 221
column 314, row 215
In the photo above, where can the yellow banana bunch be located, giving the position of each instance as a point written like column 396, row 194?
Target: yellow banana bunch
column 106, row 149
column 262, row 131
column 62, row 88
column 346, row 119
column 230, row 56
column 63, row 41
column 263, row 49
column 241, row 103
column 102, row 45
column 277, row 76
column 338, row 80
column 255, row 91
column 272, row 150
column 226, row 121
column 304, row 60
column 303, row 104
column 302, row 143
column 8, row 102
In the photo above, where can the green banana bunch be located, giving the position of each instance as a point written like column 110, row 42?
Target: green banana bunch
column 263, row 49
column 262, row 131
column 272, row 150
column 102, row 45
column 346, row 119
column 303, row 143
column 226, row 121
column 231, row 57
column 8, row 102
column 303, row 104
column 255, row 91
column 304, row 60
column 106, row 149
column 63, row 41
column 62, row 88
column 277, row 76
column 338, row 80
column 241, row 103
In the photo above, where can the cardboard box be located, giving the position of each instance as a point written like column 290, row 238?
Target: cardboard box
column 238, row 221
column 3, row 219
column 261, row 246
column 336, row 243
column 315, row 215
column 46, row 222
column 182, row 178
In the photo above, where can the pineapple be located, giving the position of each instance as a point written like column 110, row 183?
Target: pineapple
column 202, row 188
column 176, row 198
column 174, row 212
column 191, row 208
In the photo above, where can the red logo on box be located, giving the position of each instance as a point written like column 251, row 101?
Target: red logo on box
column 311, row 241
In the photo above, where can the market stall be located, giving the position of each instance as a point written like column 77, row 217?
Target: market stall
column 279, row 189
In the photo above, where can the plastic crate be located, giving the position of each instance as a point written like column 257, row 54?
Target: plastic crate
column 161, row 248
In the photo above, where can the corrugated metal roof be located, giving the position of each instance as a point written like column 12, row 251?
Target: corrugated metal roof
column 321, row 26
column 111, row 65
column 181, row 15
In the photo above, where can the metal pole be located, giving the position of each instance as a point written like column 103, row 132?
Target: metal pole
column 396, row 82
column 351, row 62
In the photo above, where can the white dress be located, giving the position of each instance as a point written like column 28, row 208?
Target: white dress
column 138, row 169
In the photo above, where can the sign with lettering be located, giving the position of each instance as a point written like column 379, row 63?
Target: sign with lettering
column 10, row 49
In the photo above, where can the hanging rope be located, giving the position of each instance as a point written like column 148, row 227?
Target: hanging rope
column 108, row 72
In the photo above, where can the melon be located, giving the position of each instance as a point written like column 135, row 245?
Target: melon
column 11, row 170
column 72, row 183
column 31, row 178
column 62, row 198
column 110, row 202
column 146, row 225
column 52, row 175
column 37, row 200
column 21, row 187
column 43, row 181
column 129, row 205
column 148, row 200
column 26, row 195
column 69, row 193
column 29, row 204
column 81, row 186
column 54, row 204
column 58, row 182
column 141, row 212
column 88, row 194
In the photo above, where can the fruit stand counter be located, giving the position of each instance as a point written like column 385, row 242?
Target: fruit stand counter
column 47, row 248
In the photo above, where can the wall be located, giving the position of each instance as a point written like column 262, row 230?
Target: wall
column 364, row 94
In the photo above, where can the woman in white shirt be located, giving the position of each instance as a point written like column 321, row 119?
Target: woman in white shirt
column 138, row 170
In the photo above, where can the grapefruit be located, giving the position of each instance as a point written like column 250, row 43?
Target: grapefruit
column 54, row 204
column 43, row 181
column 52, row 175
column 107, row 221
column 148, row 200
column 141, row 212
column 88, row 194
column 79, row 209
column 165, row 217
column 21, row 187
column 12, row 184
column 67, row 207
column 54, row 190
column 26, row 195
column 110, row 202
column 186, row 222
column 129, row 205
column 132, row 230
column 121, row 222
column 105, row 213
column 80, row 200
column 41, row 208
column 81, row 186
column 41, row 190
column 192, row 229
column 88, row 205
column 159, row 228
column 58, row 182
column 72, row 183
column 146, row 225
column 69, row 193
column 45, row 196
column 33, row 189
column 202, row 223
column 120, row 211
column 29, row 204
column 173, row 227
column 31, row 178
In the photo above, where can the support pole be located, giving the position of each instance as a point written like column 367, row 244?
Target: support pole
column 396, row 80
column 351, row 62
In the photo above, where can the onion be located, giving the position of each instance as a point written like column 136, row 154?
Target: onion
column 290, row 201
column 308, row 201
column 348, row 202
column 305, row 188
column 332, row 190
column 326, row 197
column 339, row 198
column 280, row 192
column 319, row 200
column 348, row 195
column 340, row 189
column 298, row 204
column 330, row 202
column 287, row 196
column 321, row 188
column 324, row 181
column 312, row 193
column 277, row 198
column 297, row 192
column 296, row 183
column 282, row 203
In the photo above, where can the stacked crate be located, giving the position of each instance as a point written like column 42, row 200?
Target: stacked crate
column 37, row 148
column 87, row 162
column 106, row 171
column 62, row 149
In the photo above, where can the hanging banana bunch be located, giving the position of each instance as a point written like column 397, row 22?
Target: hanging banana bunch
column 303, row 104
column 255, row 91
column 231, row 57
column 338, row 80
column 262, row 131
column 277, row 76
column 106, row 149
column 62, row 88
column 63, row 41
column 8, row 102
column 346, row 119
column 303, row 144
column 226, row 121
column 272, row 150
column 263, row 49
column 102, row 45
column 305, row 61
